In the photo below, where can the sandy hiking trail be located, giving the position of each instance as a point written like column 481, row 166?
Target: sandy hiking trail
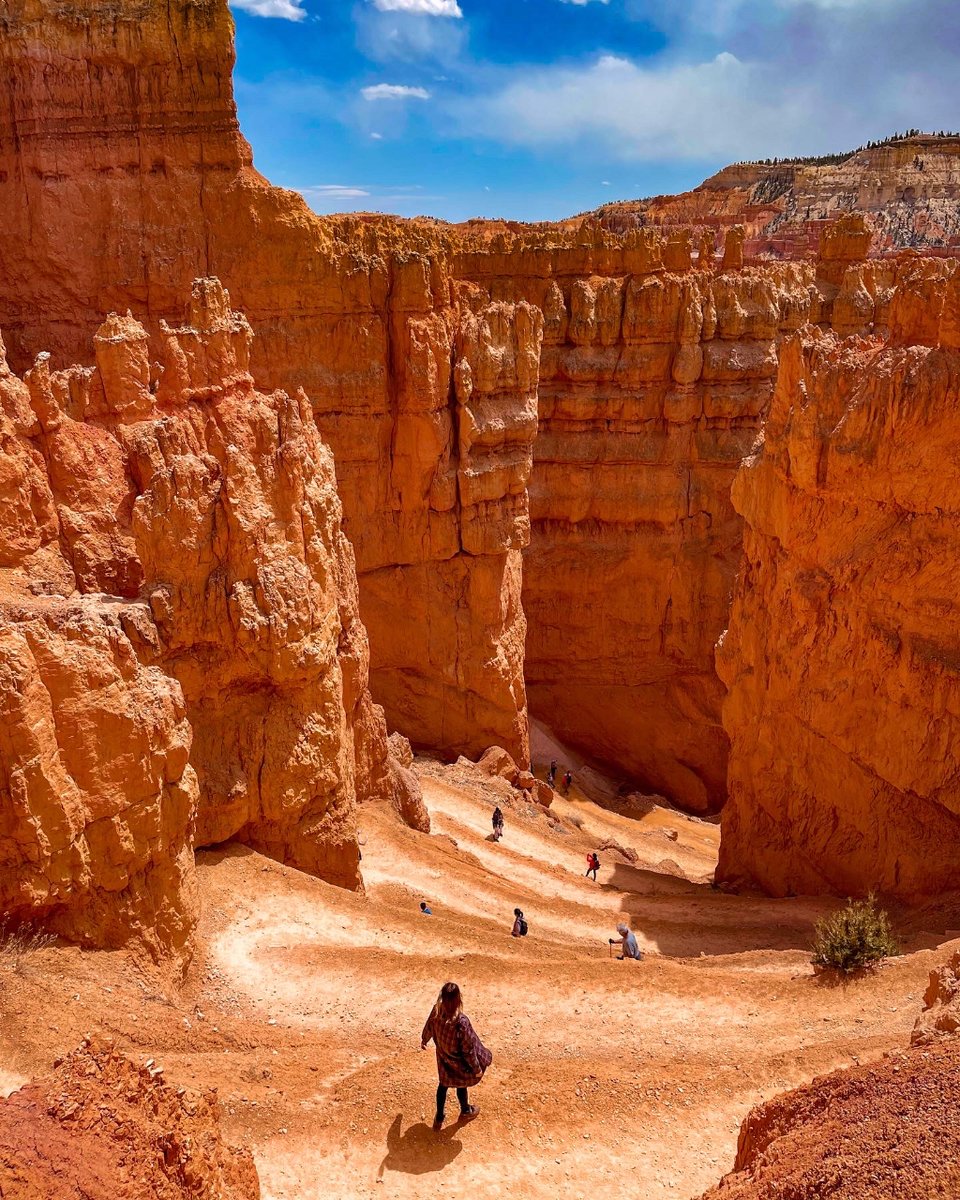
column 305, row 1003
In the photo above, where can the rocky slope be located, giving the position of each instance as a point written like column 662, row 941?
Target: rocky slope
column 100, row 1128
column 843, row 654
column 907, row 190
column 866, row 1133
column 175, row 584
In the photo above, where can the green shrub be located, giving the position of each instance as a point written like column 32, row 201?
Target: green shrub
column 855, row 936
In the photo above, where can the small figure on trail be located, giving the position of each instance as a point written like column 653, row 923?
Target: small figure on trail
column 519, row 924
column 497, row 824
column 628, row 941
column 567, row 781
column 425, row 909
column 552, row 773
column 462, row 1058
column 593, row 865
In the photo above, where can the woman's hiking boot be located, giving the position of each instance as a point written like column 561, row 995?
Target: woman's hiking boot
column 438, row 1122
column 468, row 1113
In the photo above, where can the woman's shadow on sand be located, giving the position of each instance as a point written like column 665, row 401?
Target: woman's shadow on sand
column 419, row 1150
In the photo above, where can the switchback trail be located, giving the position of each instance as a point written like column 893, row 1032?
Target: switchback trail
column 306, row 1003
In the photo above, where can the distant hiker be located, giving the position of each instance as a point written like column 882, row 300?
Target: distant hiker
column 519, row 924
column 427, row 912
column 628, row 942
column 567, row 781
column 552, row 773
column 461, row 1057
column 497, row 824
column 593, row 866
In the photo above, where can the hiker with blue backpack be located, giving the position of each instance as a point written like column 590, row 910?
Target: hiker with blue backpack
column 519, row 924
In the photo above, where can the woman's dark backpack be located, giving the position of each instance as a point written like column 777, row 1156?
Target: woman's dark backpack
column 523, row 926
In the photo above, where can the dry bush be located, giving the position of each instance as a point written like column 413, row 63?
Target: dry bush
column 19, row 940
column 855, row 936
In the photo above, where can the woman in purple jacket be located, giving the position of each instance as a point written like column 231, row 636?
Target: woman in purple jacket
column 461, row 1057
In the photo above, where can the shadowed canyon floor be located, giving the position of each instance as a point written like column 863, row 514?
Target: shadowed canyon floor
column 305, row 1003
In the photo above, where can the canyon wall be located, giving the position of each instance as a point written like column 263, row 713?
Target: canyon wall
column 175, row 586
column 424, row 353
column 654, row 380
column 907, row 191
column 843, row 654
column 123, row 176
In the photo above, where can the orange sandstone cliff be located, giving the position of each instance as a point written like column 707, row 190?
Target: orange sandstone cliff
column 120, row 198
column 535, row 432
column 653, row 381
column 175, row 584
column 843, row 654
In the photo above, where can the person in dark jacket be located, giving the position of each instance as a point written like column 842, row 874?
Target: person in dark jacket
column 497, row 824
column 462, row 1058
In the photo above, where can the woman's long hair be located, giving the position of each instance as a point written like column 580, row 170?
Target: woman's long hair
column 449, row 1003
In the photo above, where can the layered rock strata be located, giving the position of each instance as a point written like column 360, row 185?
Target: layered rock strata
column 174, row 571
column 843, row 654
column 126, row 197
column 907, row 190
column 653, row 384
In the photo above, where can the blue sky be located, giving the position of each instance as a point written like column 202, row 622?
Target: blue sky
column 538, row 109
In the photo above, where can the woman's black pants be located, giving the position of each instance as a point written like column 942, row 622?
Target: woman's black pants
column 442, row 1099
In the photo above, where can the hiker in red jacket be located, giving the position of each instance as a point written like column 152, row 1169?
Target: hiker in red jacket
column 593, row 864
column 461, row 1057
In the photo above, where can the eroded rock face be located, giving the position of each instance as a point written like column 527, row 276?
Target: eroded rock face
column 175, row 584
column 442, row 518
column 125, row 199
column 844, row 642
column 908, row 193
column 654, row 379
column 802, row 1145
column 97, row 798
column 941, row 1004
column 100, row 1128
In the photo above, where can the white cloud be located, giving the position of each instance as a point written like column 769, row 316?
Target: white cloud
column 377, row 137
column 333, row 191
column 409, row 200
column 394, row 91
column 581, row 3
column 632, row 110
column 428, row 8
column 287, row 10
column 784, row 82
